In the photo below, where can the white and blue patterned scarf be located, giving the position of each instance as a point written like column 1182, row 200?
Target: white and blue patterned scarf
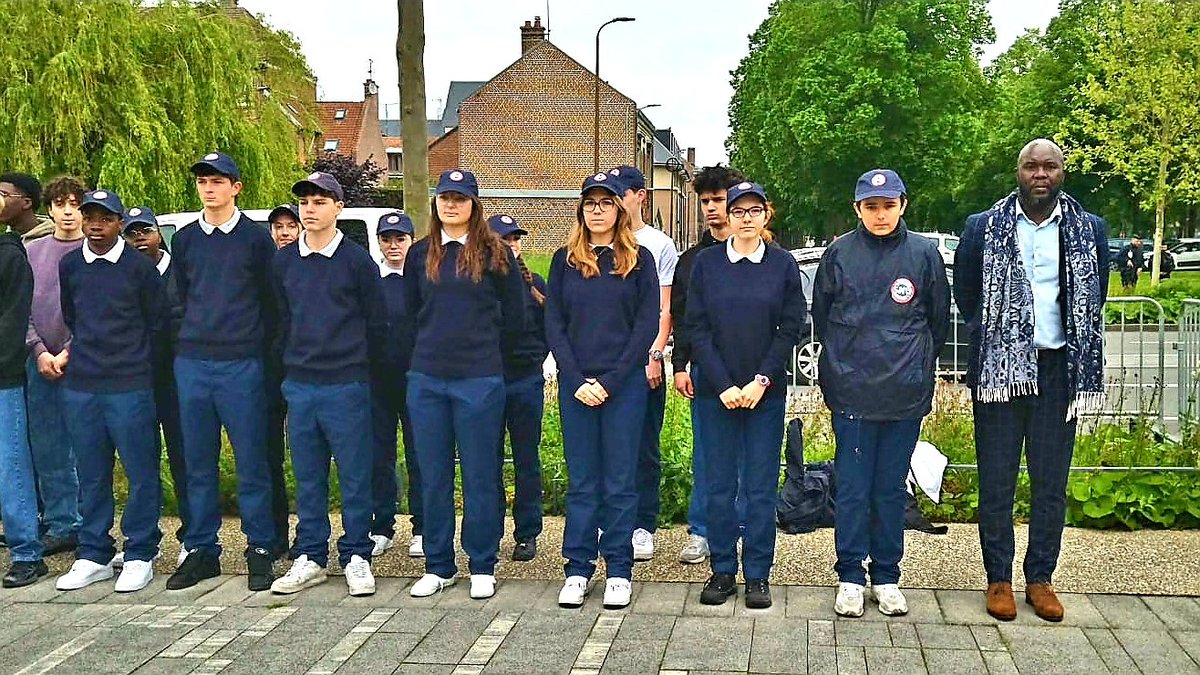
column 1008, row 358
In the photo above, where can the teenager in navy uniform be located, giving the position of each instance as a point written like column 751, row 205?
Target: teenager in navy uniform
column 223, row 272
column 745, row 314
column 389, row 389
column 601, row 318
column 333, row 322
column 284, row 224
column 525, row 402
column 468, row 297
column 666, row 257
column 114, row 304
column 881, row 307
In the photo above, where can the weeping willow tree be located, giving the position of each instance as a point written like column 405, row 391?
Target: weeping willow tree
column 128, row 96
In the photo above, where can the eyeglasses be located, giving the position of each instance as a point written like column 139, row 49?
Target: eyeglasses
column 9, row 195
column 140, row 231
column 753, row 212
column 605, row 204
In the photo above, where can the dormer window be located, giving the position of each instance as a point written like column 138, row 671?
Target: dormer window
column 340, row 114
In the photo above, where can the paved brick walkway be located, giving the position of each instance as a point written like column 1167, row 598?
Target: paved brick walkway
column 220, row 627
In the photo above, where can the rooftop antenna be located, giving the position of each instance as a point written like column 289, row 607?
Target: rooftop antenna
column 370, row 69
column 547, row 19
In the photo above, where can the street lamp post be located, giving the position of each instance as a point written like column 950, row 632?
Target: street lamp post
column 596, row 125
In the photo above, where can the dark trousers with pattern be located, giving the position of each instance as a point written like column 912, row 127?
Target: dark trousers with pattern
column 1037, row 423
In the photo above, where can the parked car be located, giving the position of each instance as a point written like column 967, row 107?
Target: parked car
column 358, row 224
column 809, row 255
column 1187, row 254
column 946, row 243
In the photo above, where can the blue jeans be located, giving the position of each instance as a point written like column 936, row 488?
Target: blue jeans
column 649, row 459
column 324, row 421
column 166, row 403
column 466, row 413
column 18, row 496
column 697, row 504
column 53, row 458
column 870, row 465
column 389, row 409
column 229, row 393
column 523, row 408
column 601, row 448
column 126, row 423
column 742, row 449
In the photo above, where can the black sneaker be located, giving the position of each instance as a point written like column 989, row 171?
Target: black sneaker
column 55, row 545
column 718, row 588
column 259, row 562
column 525, row 551
column 758, row 594
column 198, row 566
column 24, row 574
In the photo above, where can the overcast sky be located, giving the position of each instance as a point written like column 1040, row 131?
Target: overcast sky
column 678, row 53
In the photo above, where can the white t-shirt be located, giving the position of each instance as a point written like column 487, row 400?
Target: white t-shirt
column 663, row 249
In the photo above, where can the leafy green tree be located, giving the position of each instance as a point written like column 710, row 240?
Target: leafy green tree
column 128, row 96
column 360, row 182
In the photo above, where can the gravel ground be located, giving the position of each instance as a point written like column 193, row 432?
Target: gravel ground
column 1092, row 561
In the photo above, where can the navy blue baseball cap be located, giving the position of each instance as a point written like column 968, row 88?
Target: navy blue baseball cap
column 605, row 181
column 879, row 183
column 630, row 177
column 741, row 190
column 321, row 181
column 460, row 181
column 505, row 225
column 284, row 209
column 394, row 222
column 220, row 163
column 103, row 198
column 139, row 215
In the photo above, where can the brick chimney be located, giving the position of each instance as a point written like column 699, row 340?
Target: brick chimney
column 691, row 156
column 532, row 34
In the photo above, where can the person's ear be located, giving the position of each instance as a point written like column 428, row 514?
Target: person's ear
column 903, row 205
column 858, row 209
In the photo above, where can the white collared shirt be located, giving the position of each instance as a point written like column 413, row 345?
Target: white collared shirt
column 328, row 249
column 163, row 263
column 386, row 271
column 755, row 257
column 1039, row 247
column 596, row 247
column 113, row 255
column 446, row 239
column 225, row 227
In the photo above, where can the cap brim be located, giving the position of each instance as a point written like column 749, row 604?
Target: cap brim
column 316, row 186
column 888, row 193
column 215, row 169
column 607, row 187
column 460, row 189
column 138, row 221
column 279, row 211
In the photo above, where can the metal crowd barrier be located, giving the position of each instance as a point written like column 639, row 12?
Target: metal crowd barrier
column 1188, row 368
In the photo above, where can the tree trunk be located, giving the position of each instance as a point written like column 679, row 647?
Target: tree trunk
column 410, row 58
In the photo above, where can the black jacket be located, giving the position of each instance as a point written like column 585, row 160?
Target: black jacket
column 881, row 307
column 16, row 297
column 528, row 351
column 681, row 350
column 167, row 340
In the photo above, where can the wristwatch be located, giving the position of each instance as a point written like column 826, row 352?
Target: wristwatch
column 656, row 354
column 763, row 380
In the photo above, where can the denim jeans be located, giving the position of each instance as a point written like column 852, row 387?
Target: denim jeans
column 18, row 497
column 53, row 458
column 697, row 503
column 523, row 409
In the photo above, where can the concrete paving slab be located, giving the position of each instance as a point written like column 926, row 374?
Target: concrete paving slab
column 1110, row 650
column 1190, row 642
column 709, row 643
column 1124, row 611
column 1175, row 613
column 1061, row 650
column 450, row 639
column 779, row 645
column 935, row 636
column 895, row 661
column 852, row 633
column 904, row 635
column 1155, row 651
column 954, row 662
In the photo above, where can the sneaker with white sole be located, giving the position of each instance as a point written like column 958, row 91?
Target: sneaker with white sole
column 890, row 600
column 430, row 584
column 303, row 574
column 416, row 547
column 382, row 544
column 183, row 554
column 83, row 573
column 617, row 592
column 696, row 550
column 643, row 545
column 359, row 579
column 483, row 586
column 849, row 601
column 135, row 575
column 573, row 592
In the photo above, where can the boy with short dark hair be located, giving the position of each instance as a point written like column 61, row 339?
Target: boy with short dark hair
column 285, row 227
column 20, row 199
column 333, row 323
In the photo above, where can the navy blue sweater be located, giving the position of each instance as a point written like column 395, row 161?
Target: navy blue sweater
column 16, row 296
column 743, row 319
column 462, row 326
column 601, row 327
column 397, row 348
column 225, row 289
column 115, row 313
column 332, row 314
column 528, row 352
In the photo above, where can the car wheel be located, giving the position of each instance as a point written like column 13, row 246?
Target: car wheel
column 808, row 353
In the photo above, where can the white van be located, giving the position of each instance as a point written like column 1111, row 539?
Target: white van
column 358, row 223
column 946, row 243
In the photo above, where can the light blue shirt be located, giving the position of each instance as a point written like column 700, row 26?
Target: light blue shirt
column 1040, row 254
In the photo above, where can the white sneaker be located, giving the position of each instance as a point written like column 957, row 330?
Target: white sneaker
column 430, row 584
column 382, row 544
column 304, row 574
column 183, row 554
column 135, row 575
column 891, row 600
column 643, row 545
column 416, row 547
column 616, row 593
column 483, row 586
column 696, row 550
column 82, row 574
column 573, row 592
column 849, row 601
column 359, row 579
column 118, row 560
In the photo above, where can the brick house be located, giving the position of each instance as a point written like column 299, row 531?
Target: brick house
column 351, row 128
column 674, row 206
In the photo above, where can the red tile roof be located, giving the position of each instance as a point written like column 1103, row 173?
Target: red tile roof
column 346, row 130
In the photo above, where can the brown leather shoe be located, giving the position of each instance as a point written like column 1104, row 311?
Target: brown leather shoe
column 1000, row 601
column 1045, row 602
